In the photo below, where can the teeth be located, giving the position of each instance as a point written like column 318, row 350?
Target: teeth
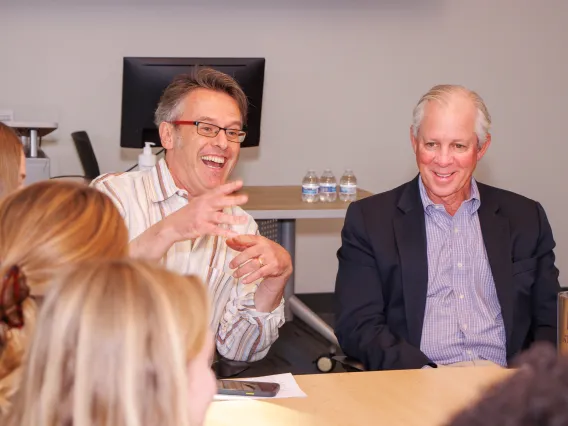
column 443, row 176
column 215, row 159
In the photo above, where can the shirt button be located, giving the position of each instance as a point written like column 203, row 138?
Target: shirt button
column 469, row 352
column 461, row 296
column 456, row 230
column 464, row 326
column 460, row 264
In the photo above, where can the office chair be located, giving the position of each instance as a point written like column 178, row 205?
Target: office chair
column 326, row 363
column 86, row 154
column 350, row 364
column 271, row 229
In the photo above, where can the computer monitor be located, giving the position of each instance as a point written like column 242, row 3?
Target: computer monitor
column 144, row 80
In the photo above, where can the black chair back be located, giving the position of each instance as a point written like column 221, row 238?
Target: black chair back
column 86, row 154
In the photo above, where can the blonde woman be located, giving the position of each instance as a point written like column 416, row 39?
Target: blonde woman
column 12, row 161
column 43, row 227
column 118, row 343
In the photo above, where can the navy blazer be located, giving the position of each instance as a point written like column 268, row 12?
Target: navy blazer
column 382, row 281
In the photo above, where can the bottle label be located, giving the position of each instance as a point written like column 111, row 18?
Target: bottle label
column 349, row 189
column 310, row 189
column 327, row 188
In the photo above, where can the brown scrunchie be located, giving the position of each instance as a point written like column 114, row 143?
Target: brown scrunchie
column 13, row 292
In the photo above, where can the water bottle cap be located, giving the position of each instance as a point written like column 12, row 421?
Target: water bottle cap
column 348, row 170
column 327, row 170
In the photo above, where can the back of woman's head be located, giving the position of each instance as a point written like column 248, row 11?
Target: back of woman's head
column 11, row 153
column 42, row 228
column 52, row 223
column 112, row 347
column 536, row 394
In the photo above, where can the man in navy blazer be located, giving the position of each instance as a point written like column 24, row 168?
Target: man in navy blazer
column 444, row 270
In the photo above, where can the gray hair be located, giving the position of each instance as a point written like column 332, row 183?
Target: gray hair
column 170, row 106
column 442, row 93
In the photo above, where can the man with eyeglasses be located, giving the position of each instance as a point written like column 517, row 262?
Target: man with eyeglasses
column 184, row 213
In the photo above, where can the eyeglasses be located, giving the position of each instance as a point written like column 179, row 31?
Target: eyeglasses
column 211, row 130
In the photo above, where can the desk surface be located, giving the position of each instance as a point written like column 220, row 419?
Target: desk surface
column 405, row 398
column 285, row 202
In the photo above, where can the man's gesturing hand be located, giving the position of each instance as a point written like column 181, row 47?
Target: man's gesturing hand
column 204, row 215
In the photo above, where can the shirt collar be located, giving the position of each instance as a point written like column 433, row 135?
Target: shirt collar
column 471, row 204
column 163, row 183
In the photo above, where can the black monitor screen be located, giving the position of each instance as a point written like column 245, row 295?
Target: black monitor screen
column 144, row 80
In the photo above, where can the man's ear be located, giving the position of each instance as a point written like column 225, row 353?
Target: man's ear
column 166, row 135
column 483, row 150
column 413, row 140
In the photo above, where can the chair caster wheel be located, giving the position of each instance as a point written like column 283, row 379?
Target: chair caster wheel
column 325, row 364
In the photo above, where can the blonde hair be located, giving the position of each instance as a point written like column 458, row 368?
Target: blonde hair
column 443, row 94
column 112, row 347
column 43, row 227
column 11, row 151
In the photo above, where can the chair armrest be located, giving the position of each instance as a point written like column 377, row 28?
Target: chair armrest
column 350, row 364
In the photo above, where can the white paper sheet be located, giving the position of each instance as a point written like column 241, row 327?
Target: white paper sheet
column 288, row 388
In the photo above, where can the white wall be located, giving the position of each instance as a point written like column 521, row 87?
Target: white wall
column 333, row 67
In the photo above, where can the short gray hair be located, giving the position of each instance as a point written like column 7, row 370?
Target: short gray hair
column 171, row 102
column 442, row 93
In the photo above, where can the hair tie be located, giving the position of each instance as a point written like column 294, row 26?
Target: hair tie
column 13, row 292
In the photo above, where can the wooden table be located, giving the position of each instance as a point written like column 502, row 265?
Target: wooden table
column 389, row 398
column 284, row 203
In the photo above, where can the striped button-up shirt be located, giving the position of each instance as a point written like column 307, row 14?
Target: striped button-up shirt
column 462, row 319
column 146, row 197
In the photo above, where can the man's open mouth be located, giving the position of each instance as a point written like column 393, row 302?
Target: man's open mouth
column 214, row 161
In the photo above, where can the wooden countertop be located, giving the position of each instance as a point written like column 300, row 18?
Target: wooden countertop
column 285, row 202
column 391, row 398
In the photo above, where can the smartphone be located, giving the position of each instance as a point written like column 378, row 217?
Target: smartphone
column 245, row 388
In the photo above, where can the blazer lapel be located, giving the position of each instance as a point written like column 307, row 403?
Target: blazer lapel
column 410, row 234
column 496, row 236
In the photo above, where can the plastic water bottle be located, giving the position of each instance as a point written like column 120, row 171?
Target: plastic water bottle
column 328, row 187
column 310, row 187
column 348, row 186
